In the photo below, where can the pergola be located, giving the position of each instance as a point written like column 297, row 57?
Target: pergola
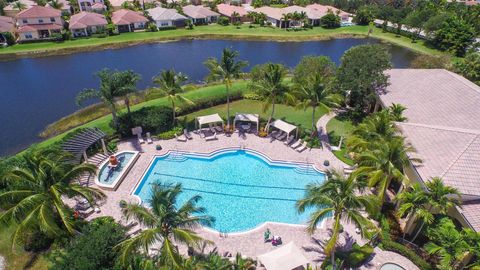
column 208, row 119
column 78, row 144
column 287, row 257
column 247, row 117
column 283, row 126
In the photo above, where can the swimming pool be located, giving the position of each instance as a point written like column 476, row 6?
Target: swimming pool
column 240, row 188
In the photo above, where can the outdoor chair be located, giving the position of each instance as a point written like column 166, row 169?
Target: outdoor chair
column 149, row 138
column 212, row 137
column 282, row 136
column 296, row 144
column 140, row 139
column 289, row 140
column 180, row 138
column 302, row 148
column 218, row 128
column 187, row 134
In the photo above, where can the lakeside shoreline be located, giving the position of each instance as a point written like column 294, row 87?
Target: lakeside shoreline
column 212, row 32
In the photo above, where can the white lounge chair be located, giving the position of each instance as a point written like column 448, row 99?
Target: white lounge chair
column 140, row 139
column 289, row 140
column 149, row 138
column 296, row 144
column 187, row 134
column 302, row 148
column 211, row 138
column 180, row 138
column 218, row 128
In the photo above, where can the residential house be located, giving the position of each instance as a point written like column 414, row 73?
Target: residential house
column 7, row 25
column 92, row 5
column 120, row 4
column 87, row 23
column 128, row 20
column 65, row 6
column 274, row 16
column 200, row 14
column 442, row 124
column 38, row 23
column 165, row 17
column 324, row 9
column 228, row 11
column 11, row 10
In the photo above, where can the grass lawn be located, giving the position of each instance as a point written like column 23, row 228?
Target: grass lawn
column 287, row 113
column 216, row 31
column 337, row 128
column 19, row 259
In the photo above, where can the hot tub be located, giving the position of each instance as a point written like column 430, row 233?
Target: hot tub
column 110, row 177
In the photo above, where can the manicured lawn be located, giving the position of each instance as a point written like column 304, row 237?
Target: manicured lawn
column 18, row 259
column 217, row 31
column 287, row 113
column 337, row 128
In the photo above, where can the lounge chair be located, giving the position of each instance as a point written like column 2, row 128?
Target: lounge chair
column 187, row 134
column 302, row 148
column 274, row 134
column 296, row 144
column 140, row 139
column 149, row 138
column 218, row 128
column 211, row 138
column 282, row 136
column 180, row 138
column 289, row 140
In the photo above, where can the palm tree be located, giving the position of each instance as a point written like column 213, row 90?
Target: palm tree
column 269, row 86
column 111, row 87
column 384, row 163
column 56, row 4
column 338, row 196
column 19, row 5
column 227, row 69
column 315, row 94
column 165, row 222
column 33, row 195
column 170, row 84
column 285, row 18
column 235, row 17
column 396, row 112
column 128, row 84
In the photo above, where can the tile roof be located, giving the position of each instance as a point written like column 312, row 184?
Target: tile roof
column 126, row 16
column 165, row 14
column 38, row 12
column 228, row 10
column 37, row 27
column 313, row 12
column 27, row 3
column 6, row 24
column 275, row 13
column 84, row 19
column 323, row 9
column 198, row 12
column 471, row 212
column 443, row 111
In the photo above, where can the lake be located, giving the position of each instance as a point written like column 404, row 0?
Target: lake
column 38, row 91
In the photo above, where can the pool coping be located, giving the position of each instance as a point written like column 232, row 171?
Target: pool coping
column 218, row 152
column 115, row 184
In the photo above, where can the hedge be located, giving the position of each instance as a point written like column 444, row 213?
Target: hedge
column 389, row 244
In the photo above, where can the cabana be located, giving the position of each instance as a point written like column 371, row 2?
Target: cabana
column 287, row 257
column 247, row 117
column 208, row 119
column 283, row 126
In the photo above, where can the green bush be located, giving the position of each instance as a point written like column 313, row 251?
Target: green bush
column 330, row 21
column 93, row 248
column 151, row 119
column 167, row 28
column 152, row 27
column 358, row 255
column 10, row 39
column 388, row 244
column 223, row 21
column 167, row 135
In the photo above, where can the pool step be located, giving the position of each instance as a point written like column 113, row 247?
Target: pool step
column 176, row 156
column 306, row 169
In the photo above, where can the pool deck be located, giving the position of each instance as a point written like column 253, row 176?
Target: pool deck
column 250, row 243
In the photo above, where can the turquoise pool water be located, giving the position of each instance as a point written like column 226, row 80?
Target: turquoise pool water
column 391, row 266
column 107, row 175
column 239, row 188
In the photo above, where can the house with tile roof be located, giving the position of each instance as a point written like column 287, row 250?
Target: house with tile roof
column 165, row 17
column 11, row 11
column 92, row 5
column 84, row 24
column 443, row 126
column 38, row 23
column 228, row 11
column 200, row 14
column 127, row 20
column 7, row 25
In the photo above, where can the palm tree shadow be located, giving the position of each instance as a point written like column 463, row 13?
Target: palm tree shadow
column 318, row 246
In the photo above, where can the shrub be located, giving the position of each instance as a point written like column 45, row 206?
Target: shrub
column 167, row 28
column 37, row 241
column 358, row 255
column 330, row 21
column 223, row 21
column 9, row 38
column 152, row 27
column 151, row 119
column 167, row 135
column 99, row 35
column 93, row 249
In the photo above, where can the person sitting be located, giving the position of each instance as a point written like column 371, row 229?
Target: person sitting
column 266, row 235
column 276, row 240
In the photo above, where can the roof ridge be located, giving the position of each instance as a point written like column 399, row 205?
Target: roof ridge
column 459, row 155
column 445, row 128
column 462, row 80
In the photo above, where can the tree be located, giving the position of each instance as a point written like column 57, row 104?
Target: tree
column 435, row 22
column 268, row 84
column 455, row 36
column 170, row 84
column 56, row 4
column 226, row 70
column 416, row 20
column 469, row 67
column 364, row 15
column 337, row 196
column 164, row 222
column 425, row 61
column 33, row 200
column 19, row 5
column 113, row 84
column 235, row 17
column 284, row 21
column 361, row 75
column 313, row 66
column 128, row 85
column 330, row 20
column 396, row 112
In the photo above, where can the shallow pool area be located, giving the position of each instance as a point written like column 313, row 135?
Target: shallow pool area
column 110, row 178
column 391, row 266
column 240, row 188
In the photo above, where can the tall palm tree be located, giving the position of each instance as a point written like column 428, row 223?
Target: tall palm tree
column 337, row 197
column 170, row 84
column 384, row 163
column 269, row 86
column 33, row 195
column 128, row 85
column 285, row 18
column 56, row 4
column 226, row 69
column 19, row 5
column 315, row 94
column 165, row 222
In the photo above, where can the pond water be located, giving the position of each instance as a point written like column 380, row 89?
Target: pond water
column 38, row 91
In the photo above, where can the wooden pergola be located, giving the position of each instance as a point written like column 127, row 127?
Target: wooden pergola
column 78, row 144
